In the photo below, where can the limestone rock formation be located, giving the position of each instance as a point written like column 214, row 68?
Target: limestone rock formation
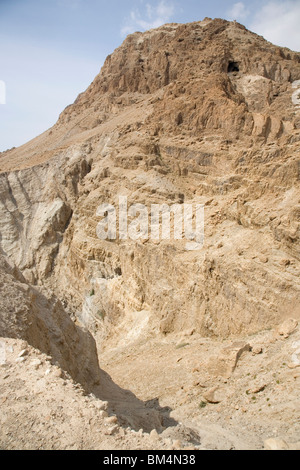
column 27, row 314
column 203, row 113
column 197, row 113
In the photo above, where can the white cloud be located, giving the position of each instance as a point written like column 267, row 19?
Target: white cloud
column 278, row 22
column 238, row 11
column 153, row 17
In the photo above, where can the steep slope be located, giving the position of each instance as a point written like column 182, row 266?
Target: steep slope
column 43, row 409
column 32, row 322
column 196, row 113
column 27, row 314
column 204, row 113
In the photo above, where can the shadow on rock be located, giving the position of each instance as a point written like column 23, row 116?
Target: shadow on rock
column 26, row 313
column 130, row 410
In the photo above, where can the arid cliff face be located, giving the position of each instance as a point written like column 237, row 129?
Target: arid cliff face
column 203, row 113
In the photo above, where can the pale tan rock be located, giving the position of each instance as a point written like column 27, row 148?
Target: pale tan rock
column 101, row 405
column 111, row 430
column 257, row 349
column 111, row 420
column 287, row 327
column 225, row 363
column 292, row 365
column 154, row 435
column 57, row 373
column 199, row 383
column 177, row 445
column 36, row 363
column 214, row 395
column 20, row 359
column 258, row 388
column 23, row 353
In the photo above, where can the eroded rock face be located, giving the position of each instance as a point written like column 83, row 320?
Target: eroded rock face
column 168, row 120
column 29, row 315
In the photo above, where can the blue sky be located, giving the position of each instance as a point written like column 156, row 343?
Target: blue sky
column 50, row 51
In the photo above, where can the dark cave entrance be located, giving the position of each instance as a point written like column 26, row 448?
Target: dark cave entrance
column 233, row 67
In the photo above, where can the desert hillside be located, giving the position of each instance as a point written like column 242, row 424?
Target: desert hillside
column 158, row 346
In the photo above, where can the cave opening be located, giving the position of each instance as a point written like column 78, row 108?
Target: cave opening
column 233, row 67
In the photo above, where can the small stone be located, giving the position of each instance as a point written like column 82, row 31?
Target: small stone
column 287, row 327
column 20, row 359
column 275, row 444
column 285, row 262
column 258, row 388
column 154, row 435
column 199, row 383
column 103, row 414
column 48, row 371
column 214, row 395
column 189, row 332
column 24, row 352
column 57, row 373
column 292, row 365
column 177, row 445
column 257, row 350
column 112, row 430
column 35, row 363
column 111, row 420
column 181, row 344
column 225, row 363
column 101, row 405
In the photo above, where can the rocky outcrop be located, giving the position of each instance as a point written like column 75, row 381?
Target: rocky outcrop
column 202, row 114
column 29, row 315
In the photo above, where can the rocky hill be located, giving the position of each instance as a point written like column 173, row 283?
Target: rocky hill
column 203, row 113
